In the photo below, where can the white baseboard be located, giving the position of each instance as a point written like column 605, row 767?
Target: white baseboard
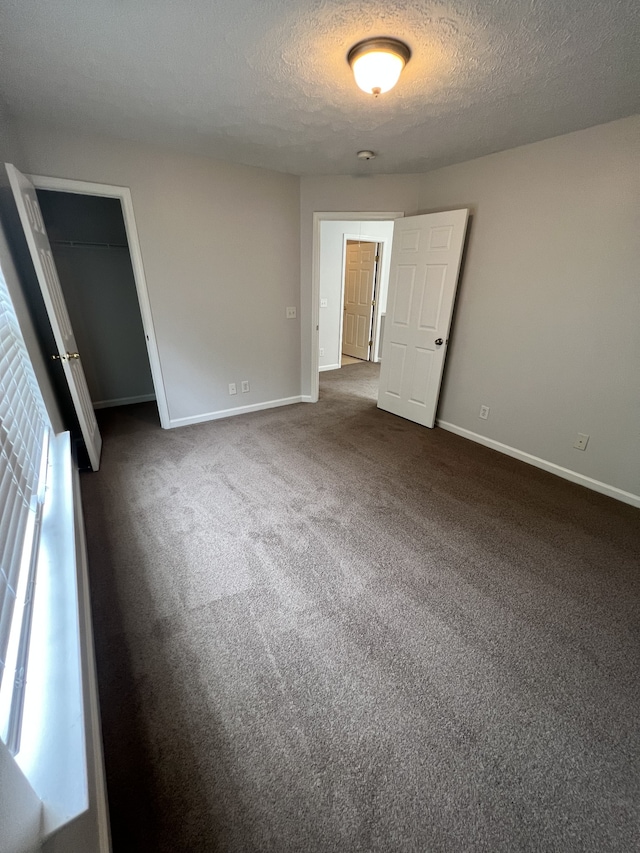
column 307, row 398
column 123, row 401
column 228, row 413
column 566, row 473
column 329, row 367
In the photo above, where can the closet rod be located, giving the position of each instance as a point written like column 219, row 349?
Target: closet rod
column 80, row 244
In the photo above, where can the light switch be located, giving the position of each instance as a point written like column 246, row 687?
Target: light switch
column 323, row 303
column 291, row 313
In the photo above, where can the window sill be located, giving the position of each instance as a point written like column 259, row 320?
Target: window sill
column 61, row 750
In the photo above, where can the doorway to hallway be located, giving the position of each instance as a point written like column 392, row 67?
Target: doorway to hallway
column 344, row 308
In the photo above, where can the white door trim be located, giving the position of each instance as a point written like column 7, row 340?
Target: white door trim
column 318, row 217
column 43, row 182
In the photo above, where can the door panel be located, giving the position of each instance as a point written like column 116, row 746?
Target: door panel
column 397, row 356
column 425, row 263
column 403, row 297
column 40, row 250
column 432, row 294
column 360, row 271
column 362, row 335
column 421, row 373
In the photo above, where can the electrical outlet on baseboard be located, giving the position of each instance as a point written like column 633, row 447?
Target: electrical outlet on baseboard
column 321, row 351
column 484, row 412
column 244, row 386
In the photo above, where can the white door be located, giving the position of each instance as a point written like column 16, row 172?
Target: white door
column 360, row 272
column 38, row 242
column 425, row 262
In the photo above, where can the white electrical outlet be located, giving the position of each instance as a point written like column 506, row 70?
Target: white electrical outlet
column 581, row 441
column 484, row 412
column 291, row 313
column 321, row 351
column 232, row 388
column 323, row 303
column 244, row 387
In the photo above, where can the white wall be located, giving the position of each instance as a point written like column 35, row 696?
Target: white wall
column 332, row 234
column 546, row 326
column 220, row 245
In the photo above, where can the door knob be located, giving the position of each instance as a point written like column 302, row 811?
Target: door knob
column 439, row 342
column 73, row 355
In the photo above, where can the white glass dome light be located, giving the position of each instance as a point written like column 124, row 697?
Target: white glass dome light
column 377, row 63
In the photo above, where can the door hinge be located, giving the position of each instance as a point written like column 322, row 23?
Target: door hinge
column 370, row 343
column 377, row 258
column 373, row 302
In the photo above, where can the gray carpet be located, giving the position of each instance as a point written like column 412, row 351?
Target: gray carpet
column 323, row 628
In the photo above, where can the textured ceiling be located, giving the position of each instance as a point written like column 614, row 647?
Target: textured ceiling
column 265, row 82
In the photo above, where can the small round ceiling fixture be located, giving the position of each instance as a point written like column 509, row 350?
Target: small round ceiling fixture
column 366, row 155
column 377, row 63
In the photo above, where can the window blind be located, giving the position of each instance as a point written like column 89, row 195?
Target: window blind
column 24, row 433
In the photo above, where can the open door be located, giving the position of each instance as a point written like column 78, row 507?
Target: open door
column 38, row 242
column 425, row 263
column 360, row 275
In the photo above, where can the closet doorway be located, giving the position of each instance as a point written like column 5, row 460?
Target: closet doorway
column 94, row 245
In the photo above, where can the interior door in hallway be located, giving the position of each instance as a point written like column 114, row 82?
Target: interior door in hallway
column 38, row 242
column 425, row 264
column 359, row 285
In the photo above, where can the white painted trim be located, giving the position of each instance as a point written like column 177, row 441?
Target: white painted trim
column 43, row 182
column 329, row 367
column 306, row 398
column 343, row 273
column 98, row 803
column 318, row 217
column 240, row 410
column 123, row 401
column 551, row 467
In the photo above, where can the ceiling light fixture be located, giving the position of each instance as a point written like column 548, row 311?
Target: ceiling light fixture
column 377, row 63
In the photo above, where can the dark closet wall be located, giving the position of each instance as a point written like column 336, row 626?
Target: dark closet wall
column 89, row 245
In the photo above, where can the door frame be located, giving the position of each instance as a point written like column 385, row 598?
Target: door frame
column 318, row 218
column 374, row 310
column 68, row 185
